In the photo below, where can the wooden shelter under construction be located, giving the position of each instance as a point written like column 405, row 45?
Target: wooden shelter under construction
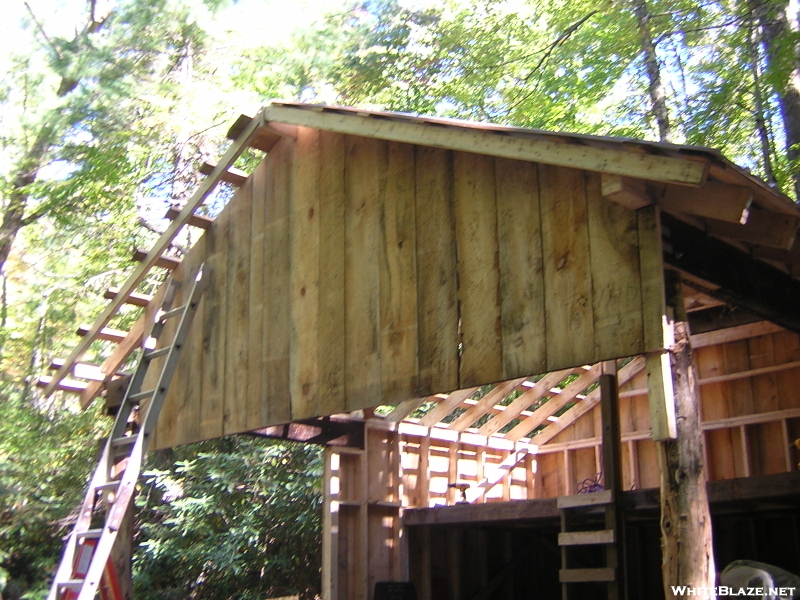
column 488, row 327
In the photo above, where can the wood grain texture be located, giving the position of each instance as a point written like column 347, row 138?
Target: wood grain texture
column 304, row 274
column 436, row 272
column 616, row 278
column 213, row 323
column 255, row 332
column 569, row 321
column 478, row 268
column 522, row 291
column 398, row 278
column 237, row 301
column 366, row 165
column 331, row 335
column 277, row 287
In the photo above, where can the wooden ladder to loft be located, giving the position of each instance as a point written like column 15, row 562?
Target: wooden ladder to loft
column 574, row 509
column 87, row 551
column 570, row 508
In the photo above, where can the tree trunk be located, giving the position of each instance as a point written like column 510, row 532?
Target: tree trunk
column 776, row 32
column 753, row 44
column 658, row 98
column 686, row 540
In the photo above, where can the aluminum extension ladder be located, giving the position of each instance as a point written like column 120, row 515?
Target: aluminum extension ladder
column 88, row 549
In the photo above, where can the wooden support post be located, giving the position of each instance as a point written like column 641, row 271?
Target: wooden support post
column 686, row 540
column 612, row 476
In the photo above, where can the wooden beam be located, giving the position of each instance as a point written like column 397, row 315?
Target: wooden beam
column 106, row 334
column 445, row 407
column 716, row 200
column 265, row 137
column 734, row 334
column 630, row 193
column 719, row 317
column 533, row 148
column 624, row 375
column 133, row 298
column 501, row 472
column 762, row 228
column 324, row 431
column 199, row 221
column 81, row 370
column 232, row 176
column 556, row 403
column 65, row 385
column 202, row 192
column 742, row 280
column 164, row 262
column 529, row 397
column 482, row 406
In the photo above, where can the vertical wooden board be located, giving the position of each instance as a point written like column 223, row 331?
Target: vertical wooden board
column 331, row 351
column 627, row 480
column 616, row 278
column 436, row 272
column 713, row 405
column 550, row 465
column 569, row 322
column 739, row 392
column 627, row 415
column 767, row 451
column 365, row 180
column 519, row 235
column 378, row 477
column 585, row 467
column 648, row 465
column 651, row 267
column 765, row 387
column 478, row 269
column 787, row 349
column 305, row 254
column 398, row 278
column 276, row 407
column 255, row 317
column 237, row 368
column 187, row 382
column 214, row 320
column 379, row 548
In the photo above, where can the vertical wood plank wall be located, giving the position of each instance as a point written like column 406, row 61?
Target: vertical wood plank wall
column 349, row 272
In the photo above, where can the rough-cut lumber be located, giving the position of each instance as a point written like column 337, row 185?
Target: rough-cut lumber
column 627, row 192
column 734, row 334
column 608, row 160
column 325, row 431
column 232, row 176
column 762, row 228
column 165, row 262
column 728, row 203
column 265, row 137
column 205, row 188
column 65, row 385
column 479, row 277
column 106, row 334
column 199, row 221
column 133, row 298
column 579, row 575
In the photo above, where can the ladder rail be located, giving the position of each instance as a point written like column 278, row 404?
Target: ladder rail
column 132, row 454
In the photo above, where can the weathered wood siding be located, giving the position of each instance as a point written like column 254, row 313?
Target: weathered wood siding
column 349, row 272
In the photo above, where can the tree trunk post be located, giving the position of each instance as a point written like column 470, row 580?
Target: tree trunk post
column 686, row 537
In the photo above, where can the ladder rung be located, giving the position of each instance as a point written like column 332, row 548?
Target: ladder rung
column 124, row 440
column 72, row 584
column 584, row 538
column 171, row 313
column 156, row 353
column 109, row 485
column 91, row 534
column 579, row 500
column 141, row 395
column 580, row 575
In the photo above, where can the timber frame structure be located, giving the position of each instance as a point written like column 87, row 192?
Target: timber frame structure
column 509, row 299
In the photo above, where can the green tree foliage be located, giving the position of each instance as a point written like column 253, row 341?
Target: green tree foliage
column 238, row 518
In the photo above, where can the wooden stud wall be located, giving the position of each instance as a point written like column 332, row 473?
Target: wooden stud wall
column 349, row 272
